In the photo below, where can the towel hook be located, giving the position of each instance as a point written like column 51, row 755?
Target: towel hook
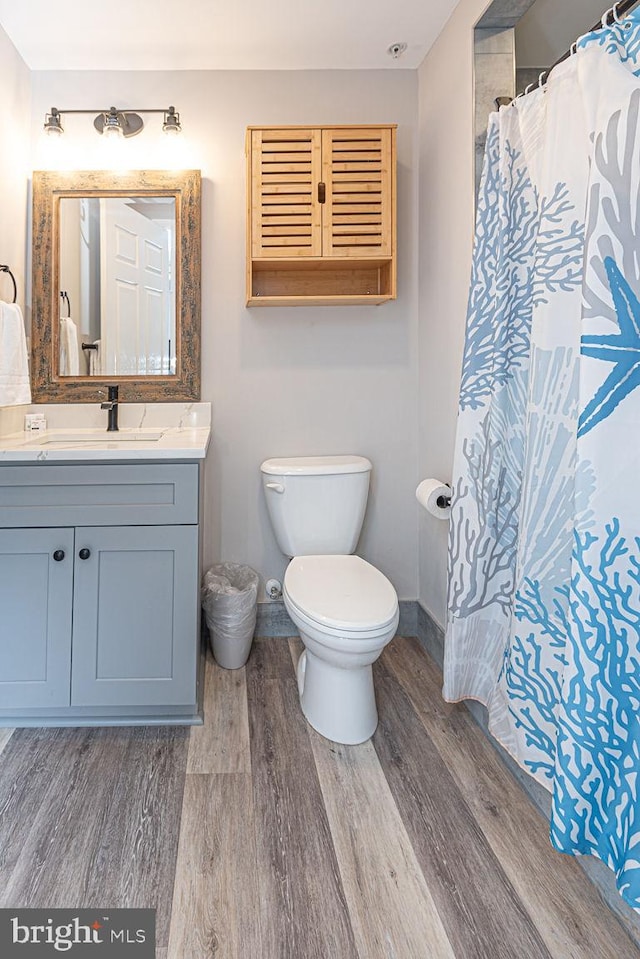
column 5, row 269
column 64, row 296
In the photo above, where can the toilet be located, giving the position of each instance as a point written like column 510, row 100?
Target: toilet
column 345, row 609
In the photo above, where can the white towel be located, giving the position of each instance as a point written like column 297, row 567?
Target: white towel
column 95, row 360
column 14, row 364
column 69, row 355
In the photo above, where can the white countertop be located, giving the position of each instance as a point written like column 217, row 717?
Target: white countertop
column 163, row 431
column 56, row 446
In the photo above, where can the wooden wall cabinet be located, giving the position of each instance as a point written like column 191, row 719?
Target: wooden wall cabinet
column 321, row 222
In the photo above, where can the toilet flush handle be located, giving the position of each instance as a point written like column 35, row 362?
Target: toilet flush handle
column 276, row 487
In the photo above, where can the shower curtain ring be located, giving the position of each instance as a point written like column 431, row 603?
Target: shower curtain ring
column 544, row 73
column 614, row 12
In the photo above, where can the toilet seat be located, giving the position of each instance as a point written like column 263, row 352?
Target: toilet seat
column 340, row 640
column 340, row 594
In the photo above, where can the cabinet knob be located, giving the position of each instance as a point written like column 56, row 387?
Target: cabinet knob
column 84, row 553
column 58, row 555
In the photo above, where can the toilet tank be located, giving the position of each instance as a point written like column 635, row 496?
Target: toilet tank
column 316, row 503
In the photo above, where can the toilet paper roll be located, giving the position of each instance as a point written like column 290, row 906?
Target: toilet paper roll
column 432, row 491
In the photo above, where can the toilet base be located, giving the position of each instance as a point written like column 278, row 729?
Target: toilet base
column 339, row 703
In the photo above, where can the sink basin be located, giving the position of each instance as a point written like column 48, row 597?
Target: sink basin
column 87, row 438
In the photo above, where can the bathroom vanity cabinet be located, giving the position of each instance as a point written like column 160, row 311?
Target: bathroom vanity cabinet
column 99, row 593
column 321, row 220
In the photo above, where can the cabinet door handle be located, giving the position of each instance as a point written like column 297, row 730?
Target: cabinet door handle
column 322, row 193
column 84, row 553
column 58, row 555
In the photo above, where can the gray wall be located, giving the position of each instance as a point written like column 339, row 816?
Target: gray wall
column 15, row 154
column 282, row 381
column 548, row 29
column 446, row 145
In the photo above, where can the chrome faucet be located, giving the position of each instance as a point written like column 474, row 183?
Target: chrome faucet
column 112, row 406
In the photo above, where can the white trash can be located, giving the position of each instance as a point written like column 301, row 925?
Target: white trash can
column 229, row 599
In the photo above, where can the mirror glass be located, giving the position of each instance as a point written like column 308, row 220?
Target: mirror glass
column 116, row 285
column 117, row 259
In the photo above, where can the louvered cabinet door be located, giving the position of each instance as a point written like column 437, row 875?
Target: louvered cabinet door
column 357, row 169
column 285, row 214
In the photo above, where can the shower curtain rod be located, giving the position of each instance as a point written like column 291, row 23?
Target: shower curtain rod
column 618, row 10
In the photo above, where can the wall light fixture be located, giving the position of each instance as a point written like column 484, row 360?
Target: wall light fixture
column 114, row 122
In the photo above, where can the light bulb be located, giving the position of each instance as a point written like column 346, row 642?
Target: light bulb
column 112, row 127
column 171, row 122
column 53, row 123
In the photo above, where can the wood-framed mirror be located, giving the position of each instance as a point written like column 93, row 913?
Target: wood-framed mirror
column 116, row 285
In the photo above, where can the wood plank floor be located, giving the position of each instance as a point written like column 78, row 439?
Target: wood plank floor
column 255, row 838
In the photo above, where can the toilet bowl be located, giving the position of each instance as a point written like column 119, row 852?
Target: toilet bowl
column 346, row 612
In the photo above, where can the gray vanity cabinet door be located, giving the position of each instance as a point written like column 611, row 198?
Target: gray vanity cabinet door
column 35, row 617
column 135, row 616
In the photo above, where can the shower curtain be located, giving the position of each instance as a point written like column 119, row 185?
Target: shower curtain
column 544, row 552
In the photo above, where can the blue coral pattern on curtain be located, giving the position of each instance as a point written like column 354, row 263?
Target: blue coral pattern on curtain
column 544, row 558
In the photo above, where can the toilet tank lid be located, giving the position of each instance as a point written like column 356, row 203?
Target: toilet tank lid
column 315, row 465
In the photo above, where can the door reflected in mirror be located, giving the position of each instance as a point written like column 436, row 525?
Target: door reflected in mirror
column 116, row 285
column 117, row 276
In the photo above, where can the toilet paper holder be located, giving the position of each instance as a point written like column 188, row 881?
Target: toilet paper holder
column 435, row 496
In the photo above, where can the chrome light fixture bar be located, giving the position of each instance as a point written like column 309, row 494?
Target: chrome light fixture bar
column 114, row 122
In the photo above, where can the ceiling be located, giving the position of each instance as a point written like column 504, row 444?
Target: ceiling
column 222, row 34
